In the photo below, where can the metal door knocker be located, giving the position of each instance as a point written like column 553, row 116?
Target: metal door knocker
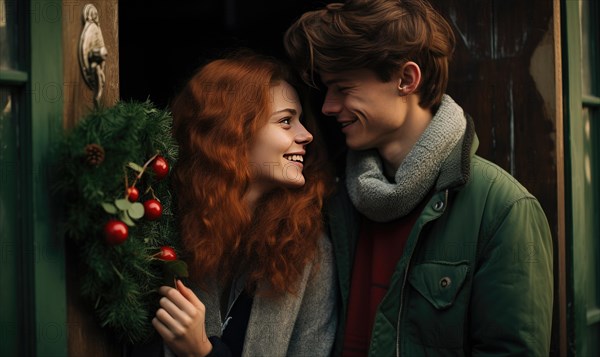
column 92, row 52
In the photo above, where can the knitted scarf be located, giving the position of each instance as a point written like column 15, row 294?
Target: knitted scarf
column 383, row 201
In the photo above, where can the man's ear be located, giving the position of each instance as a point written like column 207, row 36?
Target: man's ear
column 410, row 78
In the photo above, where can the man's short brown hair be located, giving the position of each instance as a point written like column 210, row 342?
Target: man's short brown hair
column 380, row 35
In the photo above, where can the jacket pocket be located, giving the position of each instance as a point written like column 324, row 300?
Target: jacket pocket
column 435, row 309
column 439, row 282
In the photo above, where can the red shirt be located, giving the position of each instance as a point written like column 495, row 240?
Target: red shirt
column 379, row 248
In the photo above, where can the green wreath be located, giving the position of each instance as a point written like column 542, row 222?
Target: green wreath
column 114, row 180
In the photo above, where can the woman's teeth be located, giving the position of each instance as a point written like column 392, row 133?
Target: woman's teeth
column 298, row 158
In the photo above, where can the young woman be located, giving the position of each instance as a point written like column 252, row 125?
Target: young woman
column 250, row 188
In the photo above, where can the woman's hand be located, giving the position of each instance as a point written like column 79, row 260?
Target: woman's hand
column 180, row 321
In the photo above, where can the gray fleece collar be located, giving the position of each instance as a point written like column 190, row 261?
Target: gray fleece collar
column 383, row 201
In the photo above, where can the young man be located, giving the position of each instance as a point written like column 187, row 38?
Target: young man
column 439, row 252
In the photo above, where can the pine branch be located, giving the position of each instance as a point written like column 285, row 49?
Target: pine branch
column 120, row 281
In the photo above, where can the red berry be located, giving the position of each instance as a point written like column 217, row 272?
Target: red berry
column 152, row 209
column 160, row 167
column 133, row 194
column 167, row 253
column 115, row 232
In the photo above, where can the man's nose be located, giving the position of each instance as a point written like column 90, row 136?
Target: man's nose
column 332, row 105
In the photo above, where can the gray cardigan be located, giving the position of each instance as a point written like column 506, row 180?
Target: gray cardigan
column 294, row 325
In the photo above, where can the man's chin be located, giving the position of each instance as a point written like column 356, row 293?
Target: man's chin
column 356, row 146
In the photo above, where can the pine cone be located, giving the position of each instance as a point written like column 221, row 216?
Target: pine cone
column 94, row 154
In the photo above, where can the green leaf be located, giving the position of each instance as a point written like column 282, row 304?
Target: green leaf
column 125, row 218
column 136, row 211
column 123, row 204
column 135, row 167
column 177, row 268
column 174, row 269
column 109, row 208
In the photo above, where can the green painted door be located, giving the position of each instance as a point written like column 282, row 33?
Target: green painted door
column 9, row 220
column 12, row 87
column 582, row 125
column 32, row 277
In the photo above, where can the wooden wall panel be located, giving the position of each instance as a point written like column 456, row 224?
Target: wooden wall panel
column 502, row 74
column 85, row 337
column 506, row 75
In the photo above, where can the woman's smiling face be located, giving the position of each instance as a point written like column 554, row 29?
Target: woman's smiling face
column 278, row 152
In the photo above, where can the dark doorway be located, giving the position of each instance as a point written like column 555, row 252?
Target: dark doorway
column 161, row 43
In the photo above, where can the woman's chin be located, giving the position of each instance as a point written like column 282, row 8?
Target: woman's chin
column 295, row 183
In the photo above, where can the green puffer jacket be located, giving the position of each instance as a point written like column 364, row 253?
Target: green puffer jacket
column 476, row 275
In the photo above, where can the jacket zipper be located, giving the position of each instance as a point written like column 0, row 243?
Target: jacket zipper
column 401, row 303
column 404, row 281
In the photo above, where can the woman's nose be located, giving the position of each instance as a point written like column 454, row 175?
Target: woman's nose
column 303, row 137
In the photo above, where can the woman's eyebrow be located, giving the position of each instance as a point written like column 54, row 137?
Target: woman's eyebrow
column 290, row 110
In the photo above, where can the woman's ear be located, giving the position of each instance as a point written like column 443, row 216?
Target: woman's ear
column 410, row 78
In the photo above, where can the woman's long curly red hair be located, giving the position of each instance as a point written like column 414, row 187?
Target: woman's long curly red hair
column 216, row 118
